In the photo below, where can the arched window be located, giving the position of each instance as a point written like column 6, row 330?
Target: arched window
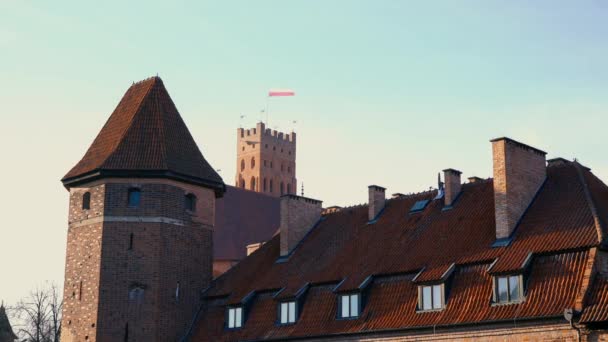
column 271, row 186
column 134, row 197
column 282, row 189
column 242, row 164
column 252, row 184
column 289, row 169
column 289, row 188
column 136, row 293
column 264, row 188
column 252, row 162
column 86, row 201
column 191, row 202
column 242, row 185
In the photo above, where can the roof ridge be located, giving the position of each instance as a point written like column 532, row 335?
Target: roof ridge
column 139, row 105
column 589, row 199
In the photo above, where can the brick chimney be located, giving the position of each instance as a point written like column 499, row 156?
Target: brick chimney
column 452, row 185
column 519, row 172
column 298, row 215
column 376, row 200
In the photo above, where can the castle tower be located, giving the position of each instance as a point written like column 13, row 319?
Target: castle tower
column 141, row 215
column 266, row 161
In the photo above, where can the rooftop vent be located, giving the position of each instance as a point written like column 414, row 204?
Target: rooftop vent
column 419, row 206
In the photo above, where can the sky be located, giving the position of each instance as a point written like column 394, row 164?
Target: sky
column 388, row 92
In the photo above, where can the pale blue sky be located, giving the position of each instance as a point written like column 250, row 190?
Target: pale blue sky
column 388, row 92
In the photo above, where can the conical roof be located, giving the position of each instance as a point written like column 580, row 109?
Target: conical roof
column 145, row 137
column 6, row 331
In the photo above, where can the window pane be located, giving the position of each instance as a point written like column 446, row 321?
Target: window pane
column 426, row 298
column 354, row 305
column 437, row 296
column 514, row 288
column 345, row 306
column 238, row 319
column 292, row 312
column 502, row 289
column 230, row 318
column 284, row 313
column 134, row 197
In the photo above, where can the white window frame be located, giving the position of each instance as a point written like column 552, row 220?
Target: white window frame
column 434, row 295
column 509, row 279
column 288, row 312
column 234, row 317
column 349, row 305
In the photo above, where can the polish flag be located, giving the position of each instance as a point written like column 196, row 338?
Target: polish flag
column 281, row 92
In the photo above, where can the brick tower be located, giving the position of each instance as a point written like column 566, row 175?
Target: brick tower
column 141, row 215
column 266, row 161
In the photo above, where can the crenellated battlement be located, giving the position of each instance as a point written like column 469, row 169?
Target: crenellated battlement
column 260, row 132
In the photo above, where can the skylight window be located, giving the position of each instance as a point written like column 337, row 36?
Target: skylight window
column 235, row 317
column 508, row 289
column 431, row 297
column 287, row 312
column 419, row 206
column 349, row 306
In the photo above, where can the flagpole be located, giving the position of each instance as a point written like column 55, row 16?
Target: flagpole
column 267, row 109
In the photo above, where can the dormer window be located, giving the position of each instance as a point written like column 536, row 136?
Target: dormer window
column 86, row 201
column 431, row 297
column 235, row 317
column 191, row 202
column 349, row 306
column 508, row 289
column 287, row 312
column 134, row 197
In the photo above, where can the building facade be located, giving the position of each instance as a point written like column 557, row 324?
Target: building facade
column 519, row 256
column 266, row 161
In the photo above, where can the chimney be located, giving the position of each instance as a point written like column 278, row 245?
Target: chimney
column 452, row 185
column 376, row 201
column 474, row 179
column 298, row 216
column 519, row 172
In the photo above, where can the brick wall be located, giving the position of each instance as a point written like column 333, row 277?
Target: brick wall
column 512, row 332
column 130, row 261
column 298, row 216
column 519, row 171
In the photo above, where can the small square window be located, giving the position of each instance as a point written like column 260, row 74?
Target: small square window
column 431, row 297
column 508, row 289
column 134, row 197
column 349, row 306
column 235, row 317
column 288, row 312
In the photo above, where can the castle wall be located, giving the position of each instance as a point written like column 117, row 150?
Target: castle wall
column 142, row 268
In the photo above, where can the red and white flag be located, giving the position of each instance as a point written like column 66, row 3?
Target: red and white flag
column 281, row 92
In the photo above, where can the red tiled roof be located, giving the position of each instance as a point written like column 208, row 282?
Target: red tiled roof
column 596, row 309
column 557, row 230
column 243, row 217
column 145, row 135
